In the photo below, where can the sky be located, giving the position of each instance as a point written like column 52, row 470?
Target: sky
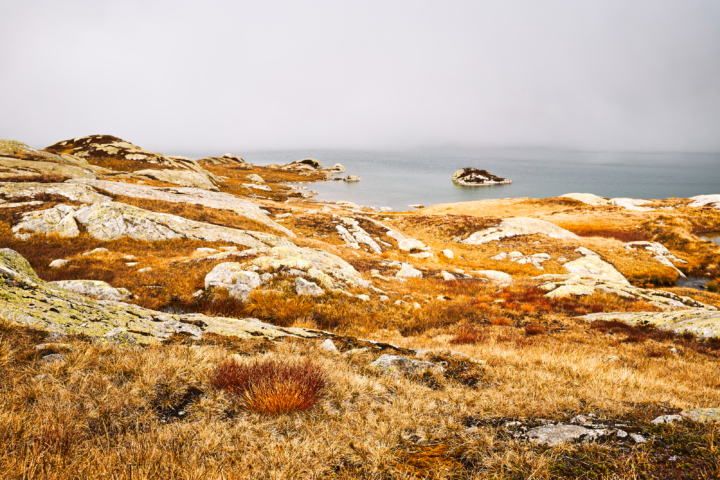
column 228, row 75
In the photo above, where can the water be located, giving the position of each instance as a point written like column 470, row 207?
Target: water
column 713, row 237
column 397, row 179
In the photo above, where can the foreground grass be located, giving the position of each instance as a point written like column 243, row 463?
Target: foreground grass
column 108, row 412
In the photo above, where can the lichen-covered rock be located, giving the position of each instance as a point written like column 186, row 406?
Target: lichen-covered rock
column 72, row 191
column 473, row 177
column 27, row 300
column 702, row 322
column 195, row 196
column 303, row 287
column 398, row 365
column 662, row 254
column 594, row 266
column 93, row 288
column 702, row 415
column 233, row 277
column 631, row 204
column 571, row 290
column 12, row 148
column 109, row 221
column 511, row 227
column 185, row 178
column 554, row 435
column 227, row 159
column 311, row 162
column 354, row 235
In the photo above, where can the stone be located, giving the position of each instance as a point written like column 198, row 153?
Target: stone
column 354, row 235
column 702, row 415
column 384, row 298
column 495, row 276
column 254, row 177
column 472, row 177
column 554, row 435
column 27, row 300
column 352, row 178
column 110, row 221
column 329, row 346
column 14, row 148
column 587, row 198
column 408, row 271
column 337, row 168
column 12, row 167
column 638, row 438
column 234, row 278
column 54, row 346
column 448, row 277
column 594, row 266
column 96, row 251
column 44, row 377
column 447, row 253
column 422, row 255
column 667, row 419
column 303, row 287
column 72, row 191
column 143, row 270
column 205, row 251
column 364, row 298
column 59, row 263
column 397, row 364
column 409, row 244
column 311, row 162
column 53, row 358
column 511, row 227
column 193, row 196
column 93, row 288
column 416, row 305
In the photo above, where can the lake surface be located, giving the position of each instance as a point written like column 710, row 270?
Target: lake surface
column 397, row 179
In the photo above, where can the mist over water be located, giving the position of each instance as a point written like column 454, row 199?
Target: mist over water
column 397, row 179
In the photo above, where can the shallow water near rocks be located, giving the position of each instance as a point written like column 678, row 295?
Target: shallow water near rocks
column 696, row 283
column 398, row 178
column 712, row 236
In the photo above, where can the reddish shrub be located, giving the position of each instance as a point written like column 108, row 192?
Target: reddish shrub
column 534, row 329
column 271, row 387
column 500, row 321
column 468, row 336
column 527, row 308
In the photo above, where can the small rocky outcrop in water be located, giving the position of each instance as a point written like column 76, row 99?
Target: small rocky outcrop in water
column 472, row 177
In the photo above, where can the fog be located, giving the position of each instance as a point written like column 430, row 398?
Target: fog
column 213, row 76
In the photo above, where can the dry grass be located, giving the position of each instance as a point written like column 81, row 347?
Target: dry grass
column 271, row 387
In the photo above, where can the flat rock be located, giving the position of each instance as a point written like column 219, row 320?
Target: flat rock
column 596, row 267
column 702, row 322
column 511, row 227
column 554, row 435
column 185, row 178
column 571, row 290
column 699, row 201
column 93, row 288
column 397, row 364
column 634, row 204
column 72, row 191
column 667, row 419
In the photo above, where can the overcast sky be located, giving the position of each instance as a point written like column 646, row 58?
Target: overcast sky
column 212, row 76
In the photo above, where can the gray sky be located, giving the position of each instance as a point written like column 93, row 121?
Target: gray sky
column 212, row 76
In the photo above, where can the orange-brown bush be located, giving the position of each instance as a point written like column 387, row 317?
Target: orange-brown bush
column 273, row 307
column 500, row 321
column 270, row 386
column 534, row 329
column 467, row 337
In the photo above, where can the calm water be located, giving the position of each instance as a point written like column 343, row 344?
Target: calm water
column 398, row 178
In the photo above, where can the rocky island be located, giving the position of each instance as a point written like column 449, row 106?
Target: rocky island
column 162, row 315
column 472, row 177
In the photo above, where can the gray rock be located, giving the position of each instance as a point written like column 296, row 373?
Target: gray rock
column 554, row 435
column 638, row 438
column 408, row 244
column 329, row 346
column 303, row 287
column 352, row 178
column 407, row 271
column 397, row 364
column 234, row 278
column 59, row 263
column 254, row 177
column 447, row 253
column 53, row 358
column 667, row 419
column 447, row 276
column 364, row 298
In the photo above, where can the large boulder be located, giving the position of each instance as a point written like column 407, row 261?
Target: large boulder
column 312, row 162
column 109, row 221
column 472, row 177
column 27, row 300
column 512, row 227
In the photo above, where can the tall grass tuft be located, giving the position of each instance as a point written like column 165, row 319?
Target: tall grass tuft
column 271, row 387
